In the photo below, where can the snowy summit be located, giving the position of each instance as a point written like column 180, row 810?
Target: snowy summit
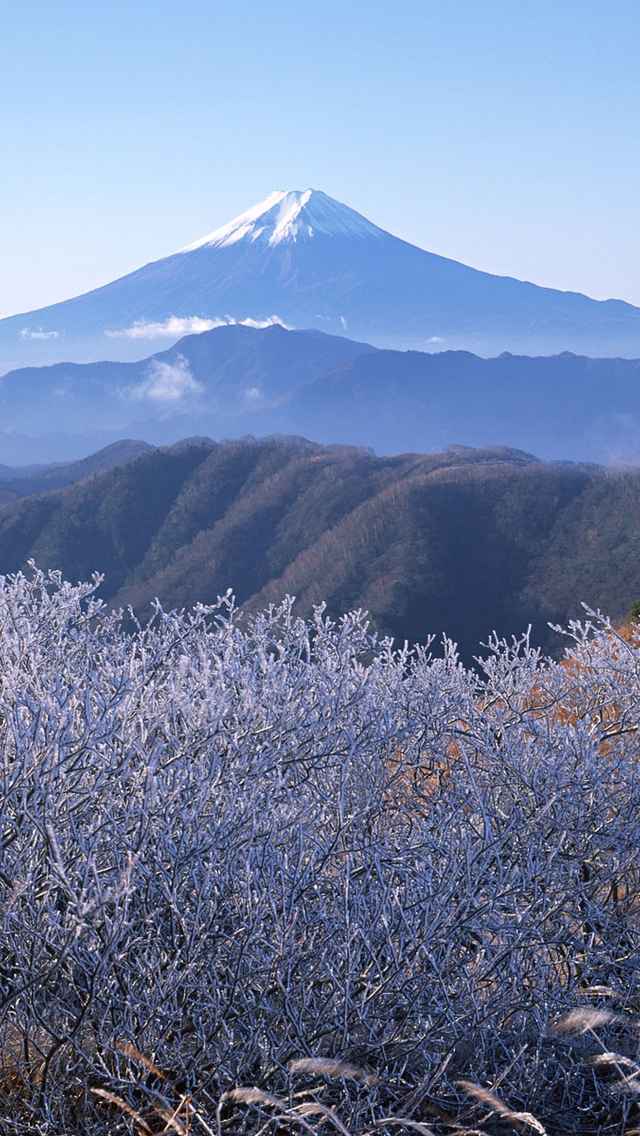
column 288, row 216
column 304, row 260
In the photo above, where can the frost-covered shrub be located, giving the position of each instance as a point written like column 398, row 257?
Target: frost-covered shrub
column 228, row 845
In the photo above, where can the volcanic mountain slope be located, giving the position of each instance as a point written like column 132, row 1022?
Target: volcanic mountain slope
column 238, row 380
column 462, row 541
column 311, row 262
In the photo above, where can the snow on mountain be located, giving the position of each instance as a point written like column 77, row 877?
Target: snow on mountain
column 290, row 216
column 318, row 264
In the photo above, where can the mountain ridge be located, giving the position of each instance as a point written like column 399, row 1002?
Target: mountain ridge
column 463, row 541
column 238, row 380
column 28, row 480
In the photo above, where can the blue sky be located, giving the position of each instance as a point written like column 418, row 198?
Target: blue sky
column 503, row 134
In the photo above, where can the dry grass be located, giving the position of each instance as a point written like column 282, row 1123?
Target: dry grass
column 253, row 1110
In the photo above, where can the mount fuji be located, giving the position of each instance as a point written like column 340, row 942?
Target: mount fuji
column 304, row 260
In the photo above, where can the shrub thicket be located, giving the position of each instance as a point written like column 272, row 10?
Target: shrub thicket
column 230, row 845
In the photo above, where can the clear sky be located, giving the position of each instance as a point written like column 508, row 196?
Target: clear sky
column 502, row 133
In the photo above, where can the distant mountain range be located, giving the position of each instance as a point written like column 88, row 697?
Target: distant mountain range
column 464, row 541
column 238, row 380
column 306, row 260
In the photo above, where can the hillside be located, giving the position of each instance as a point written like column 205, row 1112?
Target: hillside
column 462, row 541
column 310, row 261
column 239, row 380
column 24, row 481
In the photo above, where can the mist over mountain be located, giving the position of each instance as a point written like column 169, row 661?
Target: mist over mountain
column 305, row 260
column 563, row 406
column 229, row 379
column 463, row 541
column 239, row 380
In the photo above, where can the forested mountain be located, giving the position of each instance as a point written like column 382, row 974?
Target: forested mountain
column 462, row 541
column 23, row 481
column 310, row 261
column 239, row 380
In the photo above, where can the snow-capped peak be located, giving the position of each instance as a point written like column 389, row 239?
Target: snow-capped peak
column 290, row 216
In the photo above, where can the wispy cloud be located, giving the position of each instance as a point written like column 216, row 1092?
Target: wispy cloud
column 167, row 329
column 38, row 333
column 167, row 384
column 175, row 326
column 271, row 321
column 253, row 396
column 619, row 437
